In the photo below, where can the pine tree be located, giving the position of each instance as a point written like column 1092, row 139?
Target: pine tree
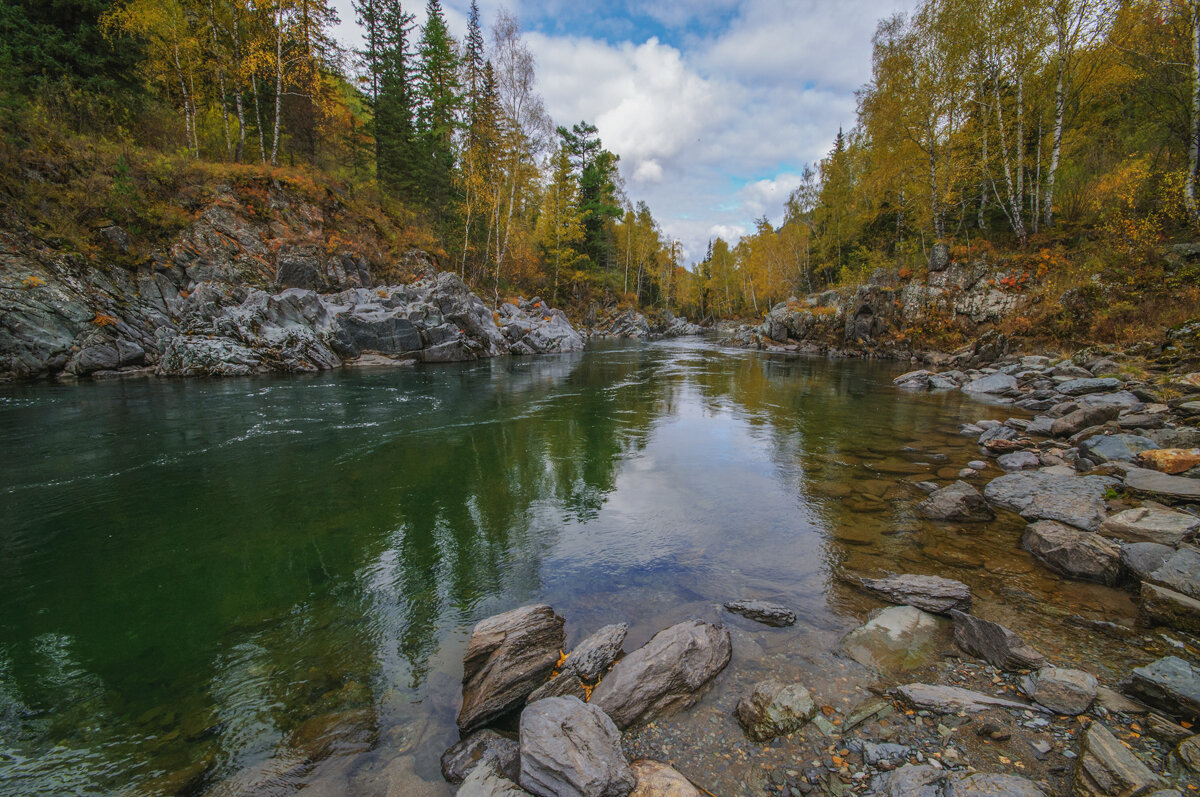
column 596, row 169
column 440, row 98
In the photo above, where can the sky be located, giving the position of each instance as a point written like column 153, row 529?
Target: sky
column 714, row 106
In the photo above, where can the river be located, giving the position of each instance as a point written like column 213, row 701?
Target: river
column 258, row 585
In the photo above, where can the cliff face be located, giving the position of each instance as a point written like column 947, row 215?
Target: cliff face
column 276, row 283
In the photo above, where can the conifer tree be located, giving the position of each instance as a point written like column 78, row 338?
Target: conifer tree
column 440, row 102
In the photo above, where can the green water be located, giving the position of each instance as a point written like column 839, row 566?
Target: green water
column 258, row 585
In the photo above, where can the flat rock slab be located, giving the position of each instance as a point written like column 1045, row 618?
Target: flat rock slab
column 931, row 593
column 766, row 613
column 1073, row 553
column 1161, row 485
column 656, row 779
column 1172, row 461
column 572, row 749
column 923, row 780
column 666, row 673
column 952, row 699
column 1181, row 572
column 994, row 643
column 1077, row 420
column 1081, row 387
column 958, row 501
column 1062, row 690
column 592, row 657
column 1170, row 683
column 1036, row 495
column 1114, row 447
column 992, row 384
column 1145, row 524
column 896, row 639
column 508, row 657
column 1107, row 768
column 774, row 709
column 1162, row 606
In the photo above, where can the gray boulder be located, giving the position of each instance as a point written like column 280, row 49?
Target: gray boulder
column 1162, row 606
column 763, row 612
column 939, row 257
column 1075, row 422
column 959, row 501
column 1080, row 387
column 572, row 749
column 1036, row 495
column 896, row 639
column 931, row 593
column 592, row 657
column 565, row 684
column 1077, row 554
column 1115, row 447
column 774, row 709
column 992, row 384
column 1140, row 559
column 1018, row 460
column 1145, row 524
column 464, row 756
column 885, row 755
column 1181, row 572
column 656, row 779
column 1062, row 690
column 923, row 780
column 486, row 780
column 508, row 657
column 1170, row 683
column 994, row 643
column 1162, row 486
column 1106, row 768
column 1122, row 400
column 666, row 673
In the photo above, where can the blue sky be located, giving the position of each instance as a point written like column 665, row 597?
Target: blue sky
column 713, row 105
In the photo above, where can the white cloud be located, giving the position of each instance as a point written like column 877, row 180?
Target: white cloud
column 648, row 171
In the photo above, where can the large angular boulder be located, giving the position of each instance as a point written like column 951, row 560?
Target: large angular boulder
column 656, row 779
column 1062, row 690
column 959, row 501
column 1106, row 768
column 994, row 643
column 485, row 780
column 666, row 673
column 1181, row 572
column 931, row 593
column 766, row 613
column 1035, row 495
column 1170, row 683
column 508, row 657
column 1162, row 606
column 1145, row 524
column 1073, row 553
column 1075, row 422
column 484, row 745
column 774, row 709
column 1140, row 559
column 896, row 639
column 572, row 749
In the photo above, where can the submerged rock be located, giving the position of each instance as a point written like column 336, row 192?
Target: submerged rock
column 994, row 643
column 1106, row 768
column 571, row 748
column 664, row 674
column 774, row 709
column 508, row 657
column 463, row 757
column 1077, row 501
column 763, row 612
column 952, row 699
column 931, row 593
column 1170, row 683
column 1073, row 553
column 959, row 501
column 1062, row 690
column 896, row 639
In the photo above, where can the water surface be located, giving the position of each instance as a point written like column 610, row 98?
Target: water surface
column 259, row 585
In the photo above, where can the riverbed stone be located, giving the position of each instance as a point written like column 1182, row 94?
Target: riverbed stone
column 656, row 779
column 896, row 639
column 1037, row 495
column 958, row 501
column 1106, row 768
column 1172, row 461
column 572, row 749
column 994, row 643
column 1140, row 559
column 930, row 593
column 1114, row 447
column 923, row 780
column 1077, row 420
column 1124, row 400
column 592, row 657
column 1062, row 690
column 1146, row 524
column 1169, row 683
column 666, row 673
column 1181, row 572
column 1081, row 387
column 485, row 780
column 953, row 699
column 1077, row 554
column 465, row 755
column 992, row 384
column 1161, row 485
column 1019, row 460
column 1162, row 606
column 774, row 709
column 763, row 612
column 1188, row 753
column 508, row 657
column 565, row 684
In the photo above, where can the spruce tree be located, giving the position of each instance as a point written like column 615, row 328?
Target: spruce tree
column 386, row 58
column 438, row 111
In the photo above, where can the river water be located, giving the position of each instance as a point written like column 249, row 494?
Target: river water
column 259, row 585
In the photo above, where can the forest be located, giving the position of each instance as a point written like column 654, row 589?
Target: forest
column 1059, row 135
